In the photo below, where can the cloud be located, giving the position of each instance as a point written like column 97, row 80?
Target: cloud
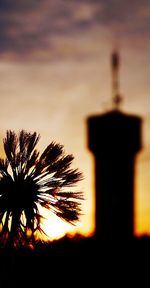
column 9, row 5
column 26, row 29
column 125, row 17
column 29, row 29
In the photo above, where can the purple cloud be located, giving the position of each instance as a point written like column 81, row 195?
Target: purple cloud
column 26, row 26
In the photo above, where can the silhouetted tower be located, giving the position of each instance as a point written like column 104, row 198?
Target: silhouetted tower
column 114, row 138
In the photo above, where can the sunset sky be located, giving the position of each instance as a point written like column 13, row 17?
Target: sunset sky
column 55, row 71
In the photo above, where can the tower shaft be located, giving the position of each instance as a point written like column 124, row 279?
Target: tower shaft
column 114, row 138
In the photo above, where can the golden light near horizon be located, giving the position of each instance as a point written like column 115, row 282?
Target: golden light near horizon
column 58, row 112
column 55, row 72
column 142, row 192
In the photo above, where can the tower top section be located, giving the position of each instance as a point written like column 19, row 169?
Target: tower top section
column 114, row 133
column 115, row 65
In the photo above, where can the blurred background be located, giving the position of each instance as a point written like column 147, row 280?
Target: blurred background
column 55, row 71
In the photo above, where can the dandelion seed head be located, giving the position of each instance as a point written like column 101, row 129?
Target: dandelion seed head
column 27, row 180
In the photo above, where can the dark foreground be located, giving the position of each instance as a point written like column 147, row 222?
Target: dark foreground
column 77, row 262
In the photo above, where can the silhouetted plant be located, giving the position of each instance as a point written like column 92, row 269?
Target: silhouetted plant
column 28, row 180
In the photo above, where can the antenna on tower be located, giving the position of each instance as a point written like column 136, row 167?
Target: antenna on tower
column 115, row 63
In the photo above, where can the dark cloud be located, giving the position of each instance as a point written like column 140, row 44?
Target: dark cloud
column 25, row 25
column 120, row 12
column 29, row 25
column 16, row 5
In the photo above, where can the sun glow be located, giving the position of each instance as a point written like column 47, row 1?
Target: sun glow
column 56, row 228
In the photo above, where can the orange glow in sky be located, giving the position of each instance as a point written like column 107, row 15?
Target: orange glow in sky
column 55, row 72
column 55, row 101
